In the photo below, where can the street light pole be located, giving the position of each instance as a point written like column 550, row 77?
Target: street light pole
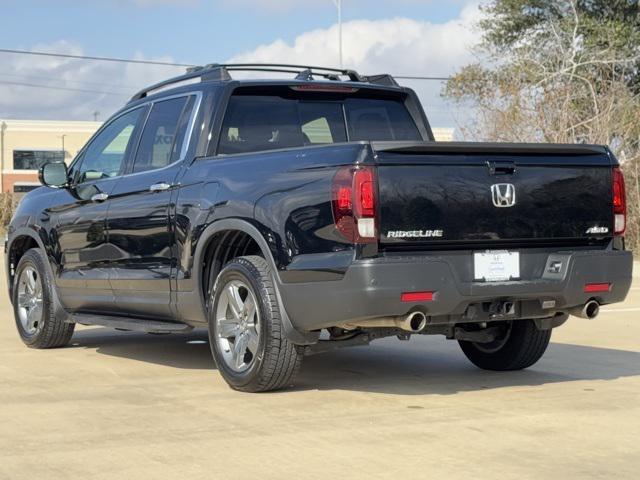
column 338, row 4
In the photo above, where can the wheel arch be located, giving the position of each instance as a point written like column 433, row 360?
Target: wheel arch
column 19, row 242
column 237, row 233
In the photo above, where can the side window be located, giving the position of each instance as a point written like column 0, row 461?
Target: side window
column 105, row 156
column 164, row 134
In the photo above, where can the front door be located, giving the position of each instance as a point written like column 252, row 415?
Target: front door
column 78, row 216
column 138, row 223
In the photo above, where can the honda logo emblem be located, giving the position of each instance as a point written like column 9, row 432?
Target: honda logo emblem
column 503, row 195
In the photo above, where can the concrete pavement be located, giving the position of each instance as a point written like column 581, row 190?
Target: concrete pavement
column 125, row 405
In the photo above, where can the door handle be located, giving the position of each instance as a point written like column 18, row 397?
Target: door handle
column 159, row 187
column 99, row 197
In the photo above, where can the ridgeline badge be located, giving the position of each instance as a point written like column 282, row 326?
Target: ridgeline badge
column 415, row 234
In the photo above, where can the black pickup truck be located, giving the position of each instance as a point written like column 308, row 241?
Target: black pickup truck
column 294, row 216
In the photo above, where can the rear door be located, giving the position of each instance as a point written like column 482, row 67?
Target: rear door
column 138, row 224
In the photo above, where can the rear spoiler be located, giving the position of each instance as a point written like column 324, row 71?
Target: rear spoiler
column 497, row 148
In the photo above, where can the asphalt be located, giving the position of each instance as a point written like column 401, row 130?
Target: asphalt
column 134, row 406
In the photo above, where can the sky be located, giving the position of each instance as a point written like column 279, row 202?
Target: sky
column 402, row 37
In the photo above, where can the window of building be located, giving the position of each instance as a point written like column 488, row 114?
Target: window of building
column 34, row 159
column 24, row 187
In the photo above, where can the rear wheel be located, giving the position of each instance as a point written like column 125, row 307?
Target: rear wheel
column 33, row 305
column 518, row 346
column 246, row 334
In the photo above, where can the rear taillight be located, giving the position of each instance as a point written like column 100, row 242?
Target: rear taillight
column 619, row 202
column 354, row 203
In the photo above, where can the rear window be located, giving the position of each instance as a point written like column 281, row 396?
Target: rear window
column 266, row 122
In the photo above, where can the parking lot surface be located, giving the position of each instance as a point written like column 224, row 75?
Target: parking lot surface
column 135, row 406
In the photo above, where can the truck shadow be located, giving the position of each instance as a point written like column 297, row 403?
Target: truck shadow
column 422, row 366
column 185, row 351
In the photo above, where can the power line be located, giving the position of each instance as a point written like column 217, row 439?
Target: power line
column 101, row 59
column 53, row 87
column 166, row 64
column 66, row 80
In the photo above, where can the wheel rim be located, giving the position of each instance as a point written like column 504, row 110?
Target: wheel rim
column 237, row 325
column 30, row 310
column 498, row 343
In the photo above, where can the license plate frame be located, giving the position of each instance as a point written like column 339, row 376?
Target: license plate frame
column 496, row 266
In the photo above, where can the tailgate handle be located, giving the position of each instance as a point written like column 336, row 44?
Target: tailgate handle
column 501, row 168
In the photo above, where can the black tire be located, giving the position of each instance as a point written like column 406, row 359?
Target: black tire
column 50, row 331
column 277, row 360
column 523, row 346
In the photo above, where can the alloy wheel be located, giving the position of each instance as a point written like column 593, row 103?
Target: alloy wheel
column 30, row 310
column 238, row 325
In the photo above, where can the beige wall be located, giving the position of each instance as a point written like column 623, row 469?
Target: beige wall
column 39, row 135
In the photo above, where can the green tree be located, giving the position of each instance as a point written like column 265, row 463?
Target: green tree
column 564, row 71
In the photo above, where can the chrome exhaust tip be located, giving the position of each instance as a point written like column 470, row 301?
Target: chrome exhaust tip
column 415, row 322
column 589, row 310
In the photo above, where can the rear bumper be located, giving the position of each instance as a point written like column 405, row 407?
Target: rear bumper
column 372, row 288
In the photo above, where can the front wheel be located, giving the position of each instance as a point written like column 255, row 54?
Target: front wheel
column 246, row 333
column 518, row 346
column 33, row 305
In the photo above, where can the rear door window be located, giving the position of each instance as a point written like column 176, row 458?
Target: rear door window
column 164, row 134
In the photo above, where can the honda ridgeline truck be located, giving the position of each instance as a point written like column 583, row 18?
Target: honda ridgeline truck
column 294, row 216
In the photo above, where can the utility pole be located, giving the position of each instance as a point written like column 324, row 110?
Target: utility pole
column 64, row 153
column 338, row 4
column 95, row 116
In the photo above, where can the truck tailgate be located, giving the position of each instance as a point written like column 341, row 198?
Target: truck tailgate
column 492, row 194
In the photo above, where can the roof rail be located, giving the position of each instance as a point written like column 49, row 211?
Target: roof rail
column 220, row 72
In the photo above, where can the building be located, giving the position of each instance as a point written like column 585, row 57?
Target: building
column 27, row 144
column 442, row 134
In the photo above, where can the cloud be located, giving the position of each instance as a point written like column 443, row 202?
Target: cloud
column 77, row 88
column 287, row 5
column 401, row 46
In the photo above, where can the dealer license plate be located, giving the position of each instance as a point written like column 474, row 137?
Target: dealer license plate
column 496, row 266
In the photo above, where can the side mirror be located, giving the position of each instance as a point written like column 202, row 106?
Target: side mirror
column 54, row 174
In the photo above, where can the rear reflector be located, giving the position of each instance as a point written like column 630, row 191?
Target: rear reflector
column 416, row 297
column 597, row 287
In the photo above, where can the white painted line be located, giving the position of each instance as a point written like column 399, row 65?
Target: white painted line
column 614, row 310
